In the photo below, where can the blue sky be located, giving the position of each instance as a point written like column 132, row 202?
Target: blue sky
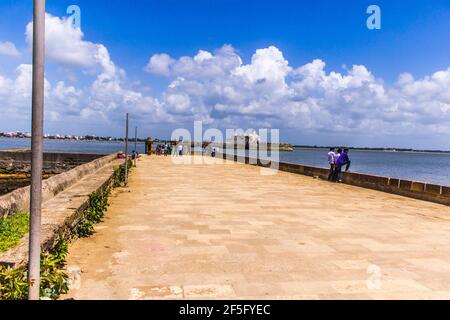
column 414, row 39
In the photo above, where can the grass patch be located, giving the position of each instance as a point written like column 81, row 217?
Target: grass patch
column 12, row 229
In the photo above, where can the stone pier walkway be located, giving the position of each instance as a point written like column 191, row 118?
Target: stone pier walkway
column 188, row 231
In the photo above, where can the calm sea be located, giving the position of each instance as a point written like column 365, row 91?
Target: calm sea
column 98, row 147
column 427, row 167
column 417, row 166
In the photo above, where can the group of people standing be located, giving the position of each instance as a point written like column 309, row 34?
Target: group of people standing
column 337, row 160
column 167, row 149
column 163, row 149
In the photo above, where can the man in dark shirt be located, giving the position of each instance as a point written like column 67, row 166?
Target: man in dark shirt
column 343, row 160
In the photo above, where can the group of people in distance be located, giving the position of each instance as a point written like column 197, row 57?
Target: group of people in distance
column 337, row 160
column 163, row 149
column 167, row 149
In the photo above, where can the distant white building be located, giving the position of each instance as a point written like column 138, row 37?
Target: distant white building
column 253, row 138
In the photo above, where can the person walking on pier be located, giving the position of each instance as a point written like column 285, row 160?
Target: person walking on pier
column 343, row 160
column 332, row 162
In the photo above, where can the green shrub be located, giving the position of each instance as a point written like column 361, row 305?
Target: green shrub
column 85, row 228
column 54, row 281
column 117, row 180
column 98, row 204
column 13, row 283
column 12, row 229
column 119, row 173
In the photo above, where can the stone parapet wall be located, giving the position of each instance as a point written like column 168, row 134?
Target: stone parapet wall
column 61, row 213
column 19, row 199
column 408, row 188
column 22, row 159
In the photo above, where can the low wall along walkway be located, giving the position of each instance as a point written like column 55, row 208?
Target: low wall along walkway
column 65, row 197
column 24, row 156
column 19, row 199
column 414, row 189
column 15, row 166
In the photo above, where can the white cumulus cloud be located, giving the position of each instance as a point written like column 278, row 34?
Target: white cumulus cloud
column 219, row 87
column 65, row 44
column 9, row 49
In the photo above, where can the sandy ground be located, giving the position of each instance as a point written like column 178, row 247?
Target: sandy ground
column 228, row 231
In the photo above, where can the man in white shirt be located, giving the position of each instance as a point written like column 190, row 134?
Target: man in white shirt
column 332, row 157
column 180, row 149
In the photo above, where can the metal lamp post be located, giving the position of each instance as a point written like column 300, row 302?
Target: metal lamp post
column 135, row 146
column 126, row 151
column 36, row 149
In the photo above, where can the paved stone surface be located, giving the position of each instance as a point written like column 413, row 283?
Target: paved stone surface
column 185, row 231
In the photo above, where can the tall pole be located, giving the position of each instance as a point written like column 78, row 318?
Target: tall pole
column 37, row 132
column 135, row 146
column 126, row 151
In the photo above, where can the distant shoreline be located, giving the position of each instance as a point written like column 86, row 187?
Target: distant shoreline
column 387, row 150
column 294, row 147
column 114, row 140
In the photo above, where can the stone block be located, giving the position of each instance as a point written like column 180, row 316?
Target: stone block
column 418, row 186
column 405, row 185
column 433, row 188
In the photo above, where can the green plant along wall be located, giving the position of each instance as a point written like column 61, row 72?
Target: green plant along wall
column 14, row 284
column 54, row 281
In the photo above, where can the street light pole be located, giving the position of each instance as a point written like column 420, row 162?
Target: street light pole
column 135, row 146
column 126, row 151
column 36, row 149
